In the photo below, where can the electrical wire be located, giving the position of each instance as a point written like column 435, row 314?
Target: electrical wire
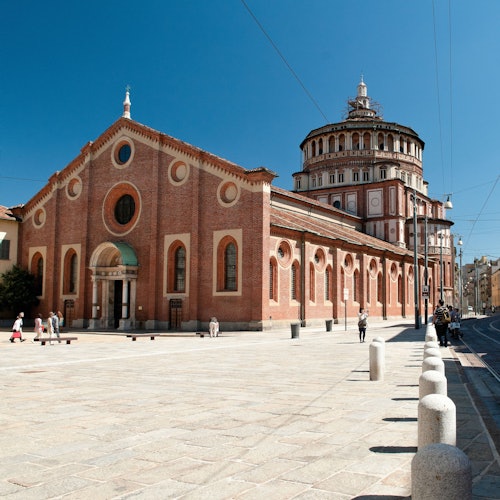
column 285, row 61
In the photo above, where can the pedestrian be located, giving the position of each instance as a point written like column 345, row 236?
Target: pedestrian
column 55, row 325
column 213, row 327
column 440, row 320
column 38, row 327
column 61, row 320
column 362, row 323
column 17, row 329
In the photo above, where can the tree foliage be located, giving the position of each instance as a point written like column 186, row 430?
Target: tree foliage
column 17, row 290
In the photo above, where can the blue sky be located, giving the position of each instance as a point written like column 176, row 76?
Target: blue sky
column 204, row 72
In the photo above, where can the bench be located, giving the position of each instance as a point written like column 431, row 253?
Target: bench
column 68, row 340
column 134, row 336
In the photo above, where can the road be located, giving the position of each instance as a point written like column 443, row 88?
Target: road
column 479, row 354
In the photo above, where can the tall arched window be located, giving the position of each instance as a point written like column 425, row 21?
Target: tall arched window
column 227, row 265
column 328, row 281
column 273, row 280
column 312, row 283
column 70, row 277
column 230, row 267
column 180, row 269
column 37, row 271
column 355, row 286
column 380, row 288
column 177, row 268
column 294, row 284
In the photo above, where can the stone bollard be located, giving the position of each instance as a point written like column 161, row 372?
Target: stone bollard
column 436, row 420
column 432, row 382
column 431, row 343
column 440, row 471
column 433, row 363
column 429, row 352
column 430, row 333
column 377, row 362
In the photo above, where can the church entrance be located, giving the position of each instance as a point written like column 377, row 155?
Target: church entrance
column 114, row 278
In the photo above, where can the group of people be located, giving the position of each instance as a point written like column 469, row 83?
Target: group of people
column 446, row 319
column 55, row 322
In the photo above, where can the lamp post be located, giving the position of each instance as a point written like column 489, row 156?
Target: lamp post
column 416, row 274
column 460, row 284
column 426, row 274
column 441, row 294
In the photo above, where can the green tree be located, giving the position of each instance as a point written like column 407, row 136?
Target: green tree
column 17, row 290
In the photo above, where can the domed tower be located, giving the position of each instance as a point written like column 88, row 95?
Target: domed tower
column 372, row 168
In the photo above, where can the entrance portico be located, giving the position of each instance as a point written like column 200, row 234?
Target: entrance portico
column 114, row 284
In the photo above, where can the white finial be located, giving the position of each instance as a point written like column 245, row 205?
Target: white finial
column 126, row 103
column 362, row 89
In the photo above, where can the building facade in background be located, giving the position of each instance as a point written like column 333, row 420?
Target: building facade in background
column 142, row 230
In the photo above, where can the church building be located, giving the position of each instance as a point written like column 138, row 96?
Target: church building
column 144, row 231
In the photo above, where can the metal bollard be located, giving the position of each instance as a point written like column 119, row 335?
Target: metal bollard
column 433, row 363
column 441, row 471
column 432, row 382
column 377, row 362
column 295, row 330
column 436, row 420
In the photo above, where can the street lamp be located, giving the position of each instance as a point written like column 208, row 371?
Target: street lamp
column 416, row 274
column 441, row 294
column 460, row 287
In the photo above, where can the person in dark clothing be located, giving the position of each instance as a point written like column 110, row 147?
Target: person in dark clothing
column 441, row 325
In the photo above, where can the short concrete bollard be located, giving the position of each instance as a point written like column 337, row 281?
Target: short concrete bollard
column 377, row 362
column 295, row 330
column 441, row 471
column 433, row 363
column 429, row 352
column 430, row 333
column 436, row 420
column 432, row 382
column 431, row 343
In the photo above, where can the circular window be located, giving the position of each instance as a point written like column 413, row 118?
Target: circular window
column 284, row 253
column 228, row 193
column 319, row 258
column 178, row 172
column 124, row 153
column 39, row 217
column 124, row 209
column 373, row 268
column 348, row 263
column 121, row 208
column 394, row 272
column 74, row 188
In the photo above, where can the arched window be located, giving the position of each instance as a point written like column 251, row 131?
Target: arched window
column 37, row 271
column 320, row 147
column 341, row 142
column 70, row 277
column 227, row 265
column 355, row 286
column 313, row 146
column 366, row 141
column 180, row 269
column 328, row 281
column 368, row 287
column 355, row 141
column 176, row 271
column 390, row 142
column 331, row 144
column 381, row 142
column 294, row 283
column 380, row 288
column 312, row 283
column 400, row 290
column 273, row 280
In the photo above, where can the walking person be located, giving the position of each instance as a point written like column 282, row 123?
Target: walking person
column 213, row 327
column 61, row 320
column 362, row 323
column 17, row 329
column 55, row 325
column 38, row 327
column 440, row 320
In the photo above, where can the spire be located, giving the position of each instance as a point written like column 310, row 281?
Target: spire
column 362, row 89
column 126, row 103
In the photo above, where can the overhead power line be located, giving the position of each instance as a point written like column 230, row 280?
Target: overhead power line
column 304, row 88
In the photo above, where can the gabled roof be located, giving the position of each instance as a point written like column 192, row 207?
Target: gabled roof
column 198, row 156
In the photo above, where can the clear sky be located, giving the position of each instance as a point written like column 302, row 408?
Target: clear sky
column 206, row 73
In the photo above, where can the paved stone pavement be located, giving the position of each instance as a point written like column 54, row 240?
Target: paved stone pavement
column 248, row 415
